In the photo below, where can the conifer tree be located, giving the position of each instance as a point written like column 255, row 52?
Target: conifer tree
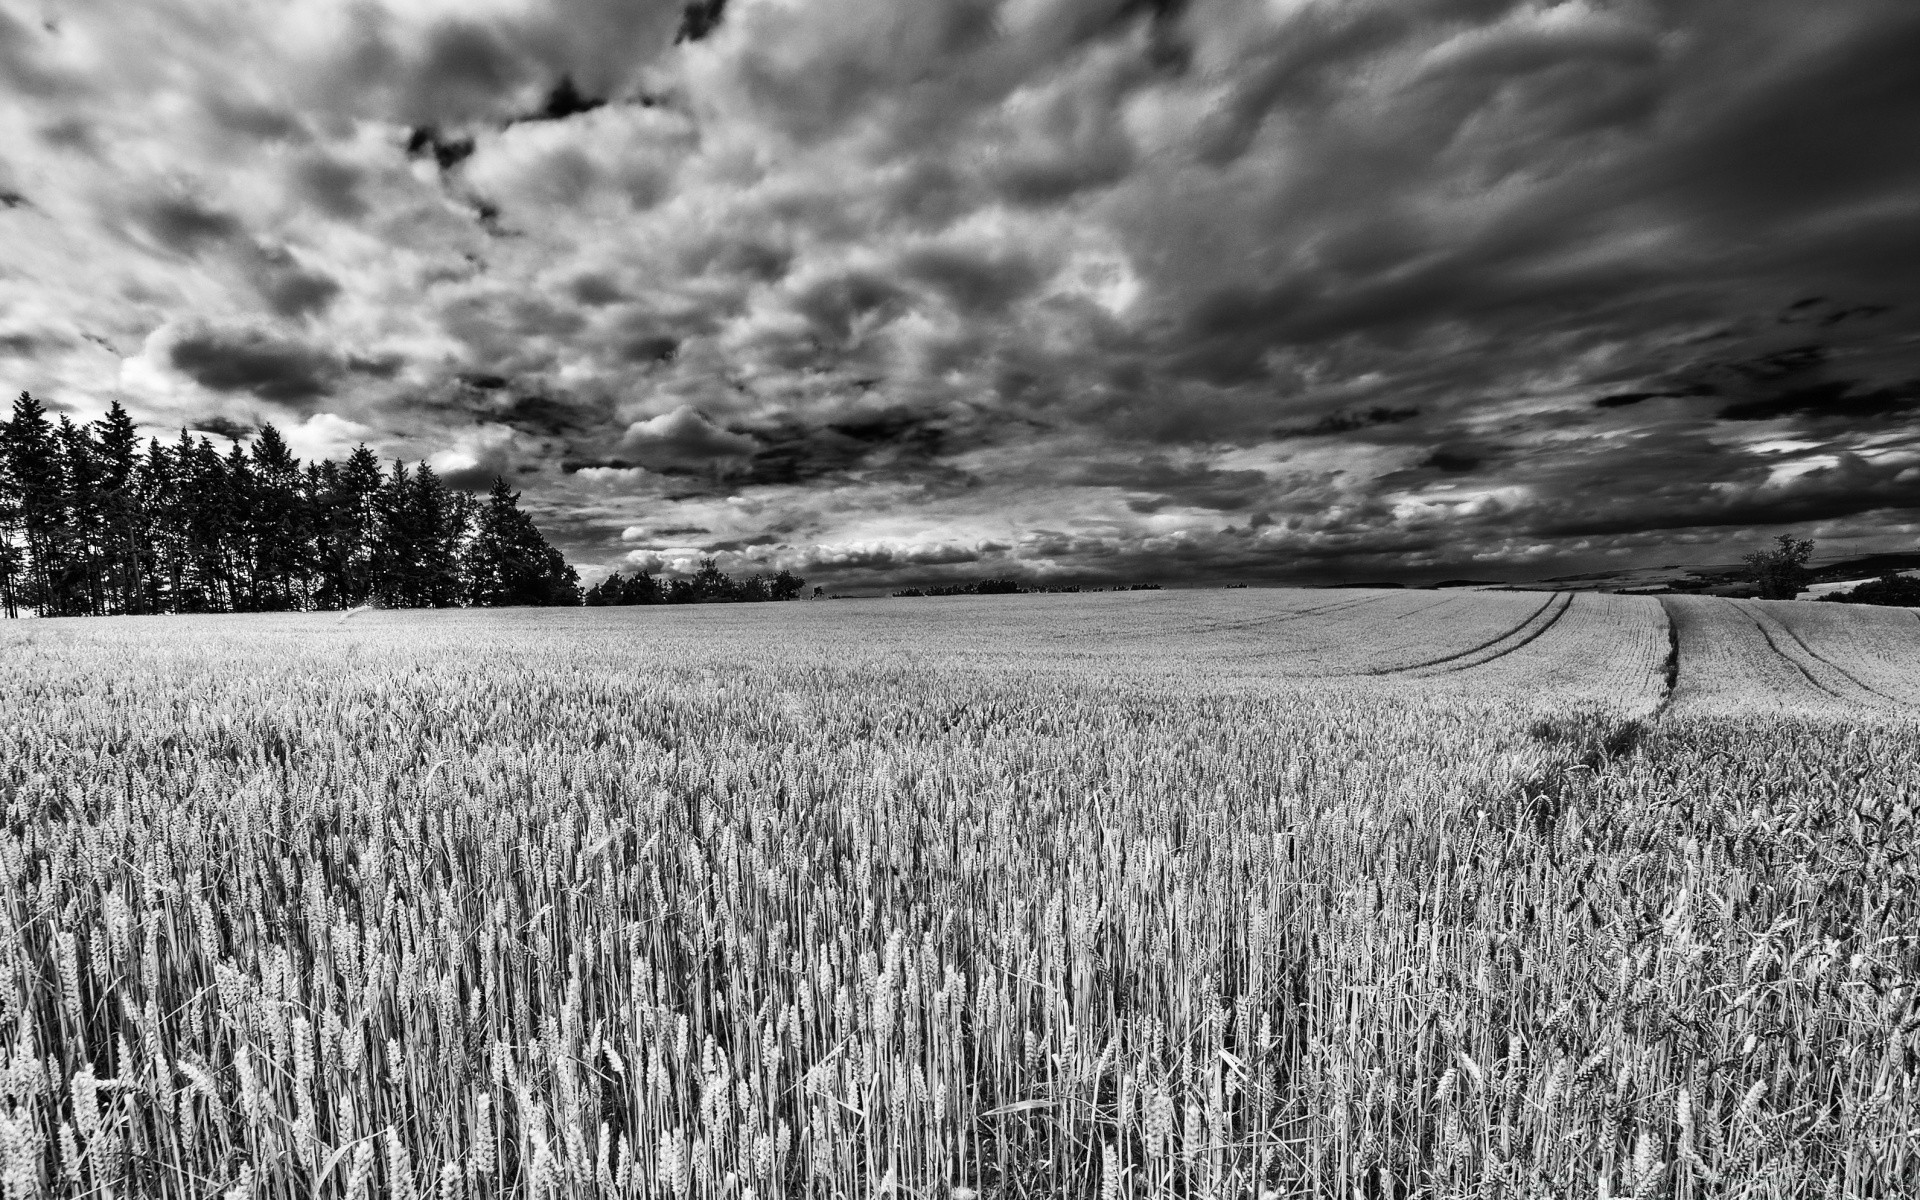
column 91, row 525
column 32, row 476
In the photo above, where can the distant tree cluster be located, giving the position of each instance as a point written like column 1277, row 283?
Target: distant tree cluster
column 93, row 524
column 1893, row 588
column 708, row 585
column 1010, row 587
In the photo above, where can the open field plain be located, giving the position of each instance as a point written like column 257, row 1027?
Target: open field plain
column 1197, row 894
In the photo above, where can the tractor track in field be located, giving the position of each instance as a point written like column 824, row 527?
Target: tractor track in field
column 1495, row 657
column 1789, row 659
column 1343, row 605
column 1316, row 647
column 1566, row 602
column 1801, row 642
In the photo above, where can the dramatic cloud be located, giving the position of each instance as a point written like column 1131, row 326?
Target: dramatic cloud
column 253, row 361
column 1070, row 289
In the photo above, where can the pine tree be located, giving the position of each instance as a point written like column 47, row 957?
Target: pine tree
column 276, row 520
column 507, row 562
column 32, row 467
column 439, row 522
column 239, row 501
column 396, row 540
column 345, row 522
column 205, row 510
column 163, row 551
column 123, row 519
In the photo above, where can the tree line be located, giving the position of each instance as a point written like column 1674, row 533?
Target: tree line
column 92, row 523
column 1012, row 587
column 708, row 585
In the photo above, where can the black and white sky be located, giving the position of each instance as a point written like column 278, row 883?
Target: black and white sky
column 1100, row 290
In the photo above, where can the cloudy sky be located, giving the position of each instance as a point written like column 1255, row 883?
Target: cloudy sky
column 1097, row 290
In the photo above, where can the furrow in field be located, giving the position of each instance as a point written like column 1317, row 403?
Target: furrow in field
column 1349, row 642
column 1592, row 652
column 1499, row 652
column 1876, row 648
column 1771, row 623
column 1342, row 605
column 1774, row 645
column 1339, row 648
column 1492, row 641
column 1731, row 665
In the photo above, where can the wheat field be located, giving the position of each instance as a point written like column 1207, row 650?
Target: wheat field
column 1179, row 894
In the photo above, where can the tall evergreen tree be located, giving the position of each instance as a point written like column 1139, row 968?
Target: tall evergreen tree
column 32, row 466
column 122, row 516
column 397, row 539
column 238, row 501
column 82, row 528
column 204, row 511
column 440, row 517
column 163, row 546
column 91, row 525
column 276, row 521
column 507, row 562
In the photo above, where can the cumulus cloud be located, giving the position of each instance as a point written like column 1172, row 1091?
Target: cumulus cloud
column 480, row 456
column 1121, row 289
column 325, row 435
column 258, row 361
column 683, row 439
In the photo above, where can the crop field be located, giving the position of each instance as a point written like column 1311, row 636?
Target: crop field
column 1379, row 894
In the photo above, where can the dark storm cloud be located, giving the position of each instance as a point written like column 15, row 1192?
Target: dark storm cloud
column 1349, row 421
column 1829, row 400
column 260, row 122
column 699, row 19
column 332, row 186
column 1168, row 482
column 971, row 283
column 426, row 141
column 185, row 225
column 1850, row 488
column 1121, row 287
column 1455, row 459
column 564, row 101
column 684, row 439
column 787, row 449
column 467, row 69
column 254, row 361
column 226, row 427
column 288, row 288
column 477, row 476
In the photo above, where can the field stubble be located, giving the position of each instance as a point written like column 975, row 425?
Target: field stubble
column 863, row 900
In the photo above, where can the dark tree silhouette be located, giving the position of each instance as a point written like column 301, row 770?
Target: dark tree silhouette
column 1781, row 573
column 90, row 524
column 708, row 585
column 508, row 562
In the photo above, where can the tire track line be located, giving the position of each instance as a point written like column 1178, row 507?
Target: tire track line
column 1789, row 659
column 1819, row 657
column 1295, row 614
column 1317, row 647
column 1501, row 637
column 1339, row 606
column 1502, row 653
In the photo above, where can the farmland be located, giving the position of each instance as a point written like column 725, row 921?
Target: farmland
column 1302, row 893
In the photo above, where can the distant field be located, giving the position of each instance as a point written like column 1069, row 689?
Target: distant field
column 1236, row 893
